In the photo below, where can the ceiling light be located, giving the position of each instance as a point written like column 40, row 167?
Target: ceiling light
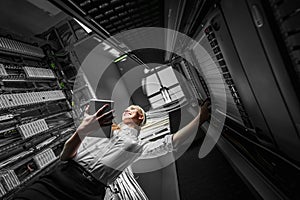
column 88, row 30
column 120, row 59
column 106, row 46
column 114, row 52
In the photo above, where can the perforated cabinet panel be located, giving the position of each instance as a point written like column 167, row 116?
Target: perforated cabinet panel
column 213, row 65
column 252, row 45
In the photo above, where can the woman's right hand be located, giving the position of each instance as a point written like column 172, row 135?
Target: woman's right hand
column 91, row 123
column 205, row 111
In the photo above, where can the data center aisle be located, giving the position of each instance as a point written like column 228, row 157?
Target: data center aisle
column 209, row 178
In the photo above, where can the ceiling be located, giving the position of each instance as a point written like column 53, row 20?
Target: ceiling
column 110, row 17
column 28, row 17
column 118, row 15
column 107, row 18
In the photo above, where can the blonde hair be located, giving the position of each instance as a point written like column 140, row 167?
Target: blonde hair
column 142, row 112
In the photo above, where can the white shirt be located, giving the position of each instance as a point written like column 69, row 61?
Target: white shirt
column 107, row 158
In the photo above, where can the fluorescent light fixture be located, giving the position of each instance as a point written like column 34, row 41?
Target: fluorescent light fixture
column 114, row 52
column 122, row 58
column 106, row 46
column 146, row 70
column 83, row 26
column 97, row 39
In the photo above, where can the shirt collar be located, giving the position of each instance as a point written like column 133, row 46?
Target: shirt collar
column 125, row 129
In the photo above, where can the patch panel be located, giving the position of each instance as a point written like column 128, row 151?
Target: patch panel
column 21, row 99
column 33, row 128
column 2, row 70
column 9, row 179
column 32, row 72
column 44, row 158
column 2, row 190
column 20, row 48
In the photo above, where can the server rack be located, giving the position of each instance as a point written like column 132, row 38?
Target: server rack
column 35, row 113
column 253, row 44
column 37, row 102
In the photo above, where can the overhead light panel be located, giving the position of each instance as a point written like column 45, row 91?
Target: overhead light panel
column 114, row 52
column 88, row 30
column 120, row 59
column 106, row 46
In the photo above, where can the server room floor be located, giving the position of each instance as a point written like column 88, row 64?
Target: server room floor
column 209, row 178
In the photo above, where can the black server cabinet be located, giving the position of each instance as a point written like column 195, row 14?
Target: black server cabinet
column 257, row 56
column 35, row 113
column 267, row 72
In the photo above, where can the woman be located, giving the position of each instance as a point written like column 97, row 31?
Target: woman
column 92, row 163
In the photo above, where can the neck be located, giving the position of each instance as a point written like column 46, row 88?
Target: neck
column 133, row 125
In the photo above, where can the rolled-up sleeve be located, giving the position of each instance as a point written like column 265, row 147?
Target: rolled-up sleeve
column 157, row 148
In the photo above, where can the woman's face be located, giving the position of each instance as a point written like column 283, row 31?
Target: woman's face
column 132, row 114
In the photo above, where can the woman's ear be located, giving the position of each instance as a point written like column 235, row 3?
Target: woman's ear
column 141, row 117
